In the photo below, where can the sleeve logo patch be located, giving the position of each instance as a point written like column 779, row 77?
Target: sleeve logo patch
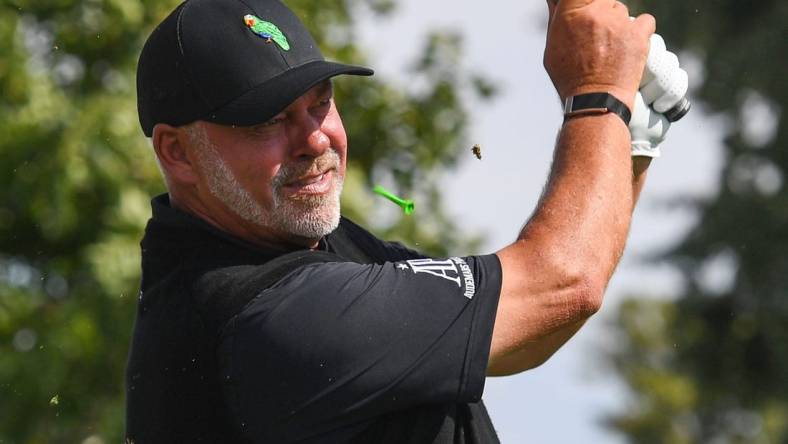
column 446, row 269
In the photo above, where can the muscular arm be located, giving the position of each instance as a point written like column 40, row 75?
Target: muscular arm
column 545, row 337
column 555, row 274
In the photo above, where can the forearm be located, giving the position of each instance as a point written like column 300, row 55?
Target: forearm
column 566, row 253
column 584, row 215
column 534, row 353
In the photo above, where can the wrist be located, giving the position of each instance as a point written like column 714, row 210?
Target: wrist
column 624, row 95
column 600, row 130
column 645, row 149
column 596, row 103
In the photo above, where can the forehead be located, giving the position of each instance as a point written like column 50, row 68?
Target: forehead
column 319, row 90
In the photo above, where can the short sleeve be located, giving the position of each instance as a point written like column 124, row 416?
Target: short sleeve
column 334, row 344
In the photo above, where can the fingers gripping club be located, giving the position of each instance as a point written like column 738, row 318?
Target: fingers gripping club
column 664, row 85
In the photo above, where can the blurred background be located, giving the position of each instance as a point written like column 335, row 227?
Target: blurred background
column 692, row 343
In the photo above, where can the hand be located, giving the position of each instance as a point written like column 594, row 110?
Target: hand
column 593, row 46
column 648, row 129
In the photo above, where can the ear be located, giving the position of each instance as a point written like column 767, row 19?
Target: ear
column 172, row 148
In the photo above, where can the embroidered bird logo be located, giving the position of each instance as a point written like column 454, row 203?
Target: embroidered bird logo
column 266, row 30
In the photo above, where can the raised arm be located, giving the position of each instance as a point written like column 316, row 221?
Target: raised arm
column 555, row 274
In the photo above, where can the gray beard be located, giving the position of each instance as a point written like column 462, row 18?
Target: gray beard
column 310, row 217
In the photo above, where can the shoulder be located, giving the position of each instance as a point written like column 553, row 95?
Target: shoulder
column 221, row 293
column 377, row 250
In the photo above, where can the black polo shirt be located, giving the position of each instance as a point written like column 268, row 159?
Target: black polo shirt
column 379, row 344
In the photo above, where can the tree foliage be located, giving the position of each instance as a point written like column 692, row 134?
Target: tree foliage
column 712, row 366
column 77, row 174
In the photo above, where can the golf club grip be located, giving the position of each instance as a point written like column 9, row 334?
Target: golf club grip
column 679, row 110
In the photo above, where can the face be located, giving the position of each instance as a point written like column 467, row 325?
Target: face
column 279, row 181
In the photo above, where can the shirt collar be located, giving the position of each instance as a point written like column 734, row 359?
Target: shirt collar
column 165, row 213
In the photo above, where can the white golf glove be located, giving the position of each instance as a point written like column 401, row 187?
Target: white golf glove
column 648, row 129
column 664, row 84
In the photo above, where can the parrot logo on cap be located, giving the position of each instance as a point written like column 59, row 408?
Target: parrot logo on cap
column 266, row 30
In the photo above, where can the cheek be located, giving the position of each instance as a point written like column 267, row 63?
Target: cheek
column 257, row 174
column 334, row 129
column 332, row 126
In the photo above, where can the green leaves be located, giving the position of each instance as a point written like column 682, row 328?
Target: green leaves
column 77, row 174
column 729, row 332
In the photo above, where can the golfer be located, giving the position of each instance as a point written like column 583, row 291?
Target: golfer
column 265, row 316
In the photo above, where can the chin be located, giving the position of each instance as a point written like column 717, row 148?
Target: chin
column 310, row 218
column 313, row 223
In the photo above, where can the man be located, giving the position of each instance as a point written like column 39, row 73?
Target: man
column 266, row 317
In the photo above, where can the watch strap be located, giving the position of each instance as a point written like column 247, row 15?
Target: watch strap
column 596, row 103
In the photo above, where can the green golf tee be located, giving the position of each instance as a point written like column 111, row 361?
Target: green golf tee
column 407, row 205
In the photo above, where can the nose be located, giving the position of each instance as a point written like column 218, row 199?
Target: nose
column 308, row 139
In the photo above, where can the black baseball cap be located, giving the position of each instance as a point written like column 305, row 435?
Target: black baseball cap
column 232, row 62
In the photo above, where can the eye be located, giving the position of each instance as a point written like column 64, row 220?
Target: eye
column 276, row 120
column 268, row 128
column 322, row 107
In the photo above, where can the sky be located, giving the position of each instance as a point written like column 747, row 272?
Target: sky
column 564, row 400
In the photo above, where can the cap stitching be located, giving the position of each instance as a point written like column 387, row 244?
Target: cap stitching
column 182, row 55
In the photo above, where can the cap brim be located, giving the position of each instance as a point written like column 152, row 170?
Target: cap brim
column 266, row 100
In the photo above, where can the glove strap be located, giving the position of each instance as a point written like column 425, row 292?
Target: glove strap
column 645, row 149
column 595, row 103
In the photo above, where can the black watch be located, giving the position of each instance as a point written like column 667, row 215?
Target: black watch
column 596, row 103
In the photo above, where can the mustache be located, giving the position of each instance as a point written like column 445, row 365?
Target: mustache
column 293, row 171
